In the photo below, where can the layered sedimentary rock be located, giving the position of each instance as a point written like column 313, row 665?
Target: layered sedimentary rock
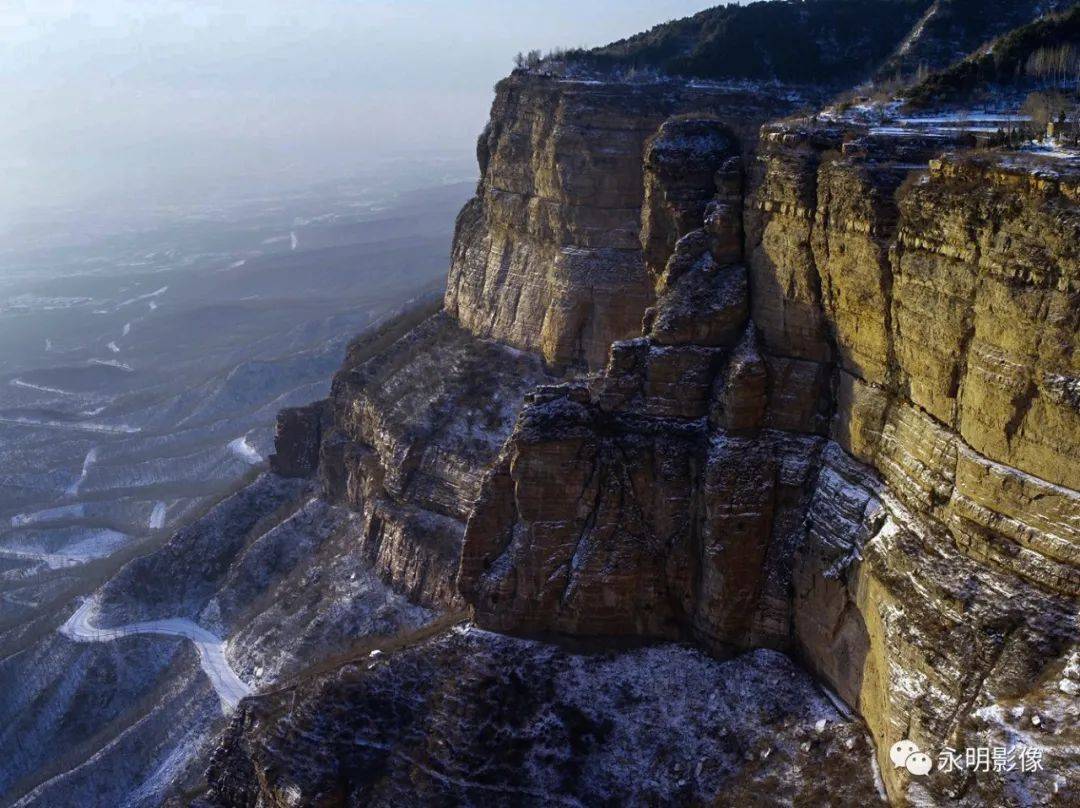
column 867, row 470
column 831, row 408
column 845, row 429
column 411, row 430
column 414, row 418
column 620, row 509
column 938, row 591
column 547, row 257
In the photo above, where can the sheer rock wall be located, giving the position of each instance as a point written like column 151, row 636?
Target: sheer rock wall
column 547, row 257
column 863, row 449
column 837, row 413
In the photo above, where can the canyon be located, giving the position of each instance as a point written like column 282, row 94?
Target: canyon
column 742, row 446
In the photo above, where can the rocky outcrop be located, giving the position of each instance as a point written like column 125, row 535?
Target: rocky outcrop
column 829, row 407
column 527, row 723
column 597, row 525
column 414, row 418
column 297, row 440
column 680, row 165
column 412, row 427
column 547, row 257
column 620, row 509
column 863, row 471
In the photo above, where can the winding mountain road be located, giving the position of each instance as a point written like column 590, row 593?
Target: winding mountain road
column 230, row 687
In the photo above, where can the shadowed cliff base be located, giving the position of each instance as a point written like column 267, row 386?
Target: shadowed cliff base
column 523, row 722
column 785, row 389
column 837, row 427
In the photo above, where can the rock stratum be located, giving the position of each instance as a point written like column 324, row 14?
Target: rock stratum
column 744, row 444
column 870, row 459
column 547, row 257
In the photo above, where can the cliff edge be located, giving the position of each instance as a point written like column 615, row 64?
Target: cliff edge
column 716, row 365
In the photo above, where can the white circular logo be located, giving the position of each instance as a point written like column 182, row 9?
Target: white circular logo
column 919, row 763
column 900, row 751
column 905, row 754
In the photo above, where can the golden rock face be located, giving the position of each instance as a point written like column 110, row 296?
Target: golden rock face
column 548, row 257
column 954, row 316
column 830, row 405
column 878, row 472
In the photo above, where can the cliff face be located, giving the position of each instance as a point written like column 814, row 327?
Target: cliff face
column 937, row 588
column 408, row 432
column 830, row 407
column 601, row 516
column 876, row 467
column 547, row 256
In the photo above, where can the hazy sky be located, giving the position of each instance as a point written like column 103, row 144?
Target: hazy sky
column 146, row 100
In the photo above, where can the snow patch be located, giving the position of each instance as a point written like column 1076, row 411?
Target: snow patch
column 900, row 131
column 43, row 303
column 118, row 429
column 48, row 515
column 964, row 116
column 157, row 293
column 879, row 781
column 152, row 789
column 91, row 458
column 112, row 363
column 95, row 543
column 245, row 451
column 211, row 649
column 1053, row 151
column 41, row 388
column 157, row 517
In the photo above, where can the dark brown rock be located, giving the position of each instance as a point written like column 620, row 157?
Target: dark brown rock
column 681, row 162
column 297, row 440
column 469, row 717
column 740, row 393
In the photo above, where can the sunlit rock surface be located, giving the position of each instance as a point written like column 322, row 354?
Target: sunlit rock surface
column 802, row 397
column 909, row 531
column 547, row 257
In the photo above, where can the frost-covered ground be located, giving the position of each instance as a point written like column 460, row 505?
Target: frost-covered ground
column 473, row 718
column 141, row 370
column 120, row 703
column 1002, row 127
